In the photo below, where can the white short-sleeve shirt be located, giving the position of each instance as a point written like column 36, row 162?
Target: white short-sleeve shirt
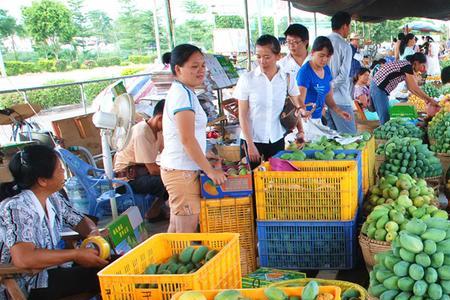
column 266, row 101
column 181, row 98
column 288, row 64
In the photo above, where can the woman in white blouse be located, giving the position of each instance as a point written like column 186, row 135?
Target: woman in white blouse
column 261, row 94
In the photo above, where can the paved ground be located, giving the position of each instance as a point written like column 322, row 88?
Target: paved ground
column 37, row 79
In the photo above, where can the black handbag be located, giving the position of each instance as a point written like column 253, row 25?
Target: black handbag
column 289, row 115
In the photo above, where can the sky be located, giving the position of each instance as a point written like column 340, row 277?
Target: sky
column 113, row 6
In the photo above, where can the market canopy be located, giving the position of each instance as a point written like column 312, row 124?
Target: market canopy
column 378, row 10
column 422, row 26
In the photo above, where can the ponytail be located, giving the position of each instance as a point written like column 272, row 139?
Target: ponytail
column 26, row 167
column 8, row 189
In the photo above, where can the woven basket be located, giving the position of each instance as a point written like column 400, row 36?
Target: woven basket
column 230, row 153
column 379, row 159
column 371, row 247
column 434, row 182
column 371, row 297
column 380, row 141
column 445, row 162
column 344, row 285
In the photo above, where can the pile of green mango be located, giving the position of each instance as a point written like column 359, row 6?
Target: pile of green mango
column 397, row 128
column 410, row 156
column 418, row 266
column 439, row 130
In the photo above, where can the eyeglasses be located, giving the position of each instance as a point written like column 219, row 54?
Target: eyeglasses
column 293, row 42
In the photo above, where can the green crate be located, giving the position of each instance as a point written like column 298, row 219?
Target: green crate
column 265, row 276
column 403, row 111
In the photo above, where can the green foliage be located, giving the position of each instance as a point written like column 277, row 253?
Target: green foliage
column 134, row 28
column 48, row 65
column 229, row 21
column 8, row 25
column 50, row 23
column 19, row 67
column 108, row 61
column 141, row 59
column 192, row 7
column 131, row 71
column 196, row 32
column 100, row 25
column 75, row 64
column 88, row 64
column 61, row 65
column 51, row 97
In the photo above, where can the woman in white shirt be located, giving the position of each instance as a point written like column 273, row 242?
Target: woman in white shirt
column 261, row 94
column 407, row 46
column 184, row 131
column 432, row 53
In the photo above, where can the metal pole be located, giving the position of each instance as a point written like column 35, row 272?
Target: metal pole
column 258, row 12
column 155, row 25
column 2, row 65
column 247, row 30
column 170, row 25
column 83, row 98
column 289, row 13
column 275, row 20
column 315, row 25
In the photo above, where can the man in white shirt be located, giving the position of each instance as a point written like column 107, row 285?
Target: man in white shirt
column 340, row 64
column 297, row 40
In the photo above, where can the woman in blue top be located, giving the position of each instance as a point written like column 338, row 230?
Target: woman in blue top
column 314, row 81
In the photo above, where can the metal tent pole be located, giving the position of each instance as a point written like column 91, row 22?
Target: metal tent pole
column 315, row 24
column 247, row 31
column 289, row 13
column 156, row 28
column 170, row 25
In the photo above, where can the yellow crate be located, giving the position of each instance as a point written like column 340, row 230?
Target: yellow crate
column 232, row 215
column 122, row 279
column 368, row 157
column 321, row 190
column 258, row 294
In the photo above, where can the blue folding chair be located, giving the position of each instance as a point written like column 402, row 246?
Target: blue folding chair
column 92, row 179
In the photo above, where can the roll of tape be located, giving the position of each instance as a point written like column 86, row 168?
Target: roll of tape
column 98, row 243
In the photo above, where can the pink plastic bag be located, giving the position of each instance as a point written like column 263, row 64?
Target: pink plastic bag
column 277, row 164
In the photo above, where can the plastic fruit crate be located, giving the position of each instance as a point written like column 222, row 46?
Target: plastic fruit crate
column 267, row 276
column 321, row 190
column 303, row 245
column 234, row 186
column 123, row 279
column 370, row 163
column 257, row 294
column 232, row 215
column 403, row 111
column 358, row 158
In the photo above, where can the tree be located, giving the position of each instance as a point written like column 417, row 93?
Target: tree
column 134, row 29
column 50, row 23
column 9, row 28
column 229, row 22
column 100, row 25
column 192, row 7
column 79, row 19
column 196, row 32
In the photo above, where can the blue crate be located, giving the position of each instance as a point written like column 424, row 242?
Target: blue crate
column 303, row 245
column 358, row 158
